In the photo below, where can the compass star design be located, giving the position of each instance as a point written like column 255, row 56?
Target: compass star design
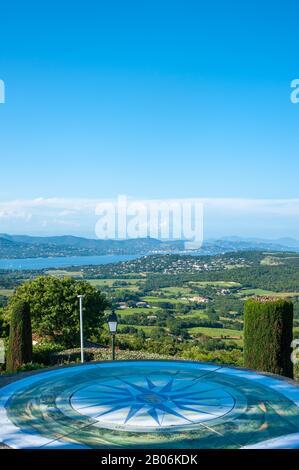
column 152, row 402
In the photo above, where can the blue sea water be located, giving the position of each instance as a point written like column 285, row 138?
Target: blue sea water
column 62, row 262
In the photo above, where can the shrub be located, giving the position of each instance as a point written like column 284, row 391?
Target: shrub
column 268, row 326
column 42, row 353
column 72, row 355
column 4, row 326
column 102, row 354
column 233, row 357
column 30, row 366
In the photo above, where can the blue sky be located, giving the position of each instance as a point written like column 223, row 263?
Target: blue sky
column 153, row 99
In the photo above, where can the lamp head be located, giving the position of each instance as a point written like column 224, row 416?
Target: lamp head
column 112, row 322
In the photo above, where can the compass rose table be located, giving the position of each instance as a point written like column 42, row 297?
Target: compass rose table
column 150, row 404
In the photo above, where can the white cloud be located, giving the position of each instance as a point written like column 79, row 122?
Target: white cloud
column 282, row 207
column 224, row 216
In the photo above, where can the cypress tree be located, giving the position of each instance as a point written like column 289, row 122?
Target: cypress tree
column 268, row 333
column 20, row 336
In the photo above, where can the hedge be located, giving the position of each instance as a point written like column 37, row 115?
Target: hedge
column 268, row 332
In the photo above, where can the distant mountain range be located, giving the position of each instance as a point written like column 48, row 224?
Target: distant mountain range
column 286, row 241
column 25, row 246
column 234, row 243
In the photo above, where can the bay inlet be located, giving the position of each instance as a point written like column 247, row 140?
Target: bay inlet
column 62, row 262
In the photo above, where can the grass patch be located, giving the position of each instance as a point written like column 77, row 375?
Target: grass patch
column 216, row 332
column 131, row 311
column 224, row 284
column 6, row 292
column 176, row 290
column 271, row 261
column 195, row 314
column 129, row 284
column 155, row 300
column 148, row 330
column 64, row 273
column 263, row 292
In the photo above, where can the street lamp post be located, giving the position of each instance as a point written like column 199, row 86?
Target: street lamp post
column 113, row 346
column 80, row 297
column 112, row 324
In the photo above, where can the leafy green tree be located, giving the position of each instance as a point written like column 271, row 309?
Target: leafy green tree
column 220, row 357
column 4, row 326
column 54, row 308
column 20, row 336
column 141, row 335
column 268, row 332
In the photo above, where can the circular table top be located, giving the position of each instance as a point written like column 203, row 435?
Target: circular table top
column 150, row 404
